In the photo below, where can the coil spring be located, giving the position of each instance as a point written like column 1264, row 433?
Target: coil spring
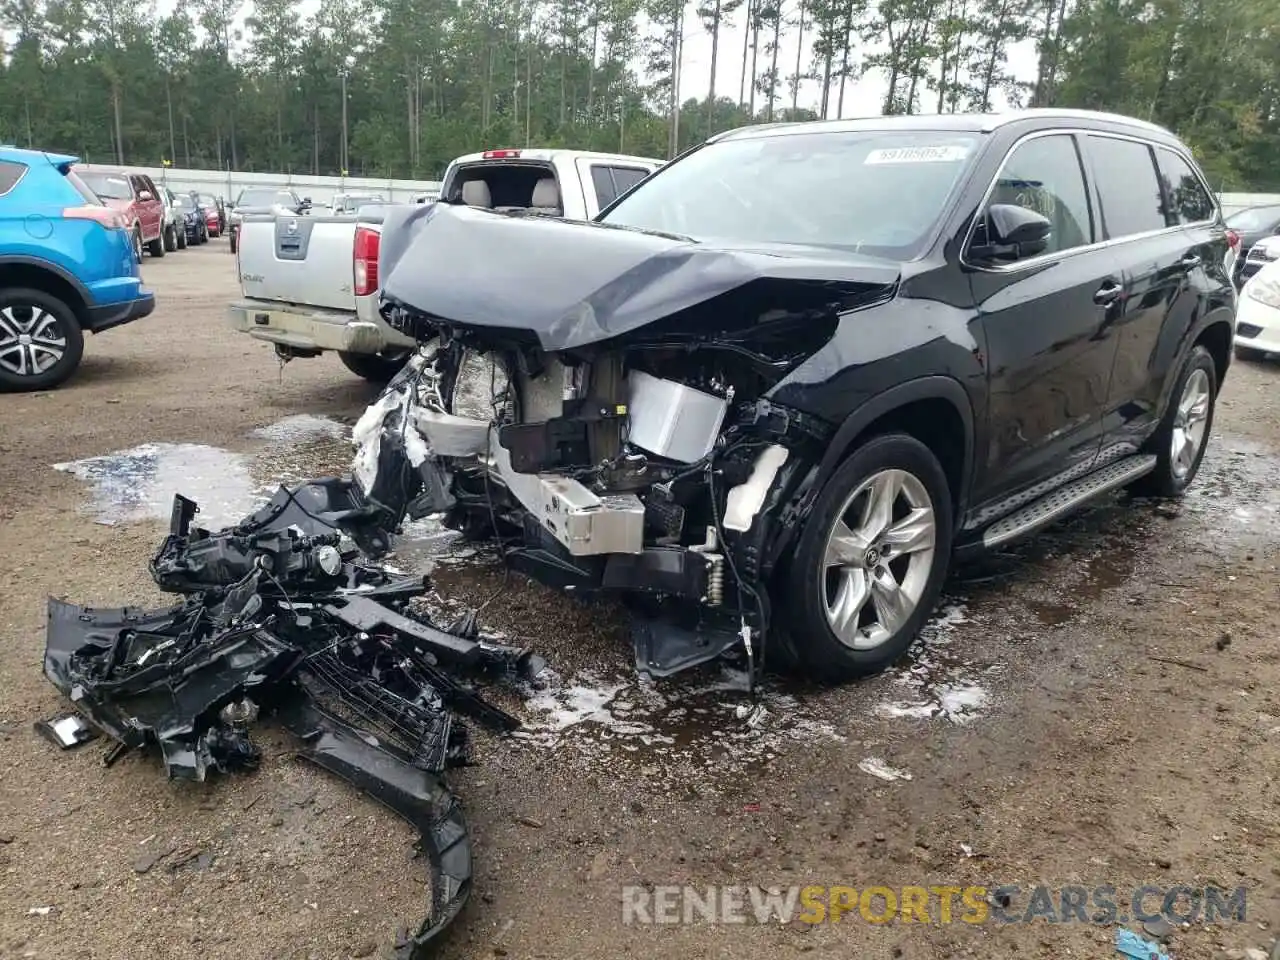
column 715, row 581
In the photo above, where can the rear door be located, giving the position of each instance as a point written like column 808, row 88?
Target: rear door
column 1166, row 265
column 150, row 211
column 1045, row 316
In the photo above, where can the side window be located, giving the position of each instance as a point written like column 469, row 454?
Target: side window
column 1132, row 201
column 1044, row 175
column 136, row 184
column 150, row 186
column 603, row 182
column 1189, row 202
column 624, row 178
column 10, row 174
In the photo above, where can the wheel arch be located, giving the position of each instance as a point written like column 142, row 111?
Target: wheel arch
column 936, row 410
column 48, row 277
column 1217, row 337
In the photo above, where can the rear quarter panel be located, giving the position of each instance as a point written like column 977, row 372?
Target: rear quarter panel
column 32, row 228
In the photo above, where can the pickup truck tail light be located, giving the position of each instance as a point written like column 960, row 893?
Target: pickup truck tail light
column 366, row 261
column 501, row 154
column 109, row 217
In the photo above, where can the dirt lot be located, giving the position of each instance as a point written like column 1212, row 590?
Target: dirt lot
column 1098, row 706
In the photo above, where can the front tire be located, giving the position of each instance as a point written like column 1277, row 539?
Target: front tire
column 1181, row 439
column 40, row 340
column 182, row 238
column 871, row 560
column 374, row 367
column 170, row 239
column 156, row 247
column 234, row 234
column 137, row 243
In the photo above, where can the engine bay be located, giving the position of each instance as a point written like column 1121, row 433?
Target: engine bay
column 655, row 471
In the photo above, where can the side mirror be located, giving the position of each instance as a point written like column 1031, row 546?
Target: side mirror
column 145, row 195
column 1013, row 232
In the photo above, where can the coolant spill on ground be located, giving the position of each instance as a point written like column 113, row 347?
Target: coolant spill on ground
column 302, row 426
column 937, row 683
column 139, row 483
column 1237, row 491
column 675, row 727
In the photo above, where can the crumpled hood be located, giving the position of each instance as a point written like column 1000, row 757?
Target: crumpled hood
column 574, row 283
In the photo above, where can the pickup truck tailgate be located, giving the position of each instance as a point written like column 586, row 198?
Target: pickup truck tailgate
column 303, row 260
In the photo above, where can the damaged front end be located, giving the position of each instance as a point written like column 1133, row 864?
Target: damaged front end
column 281, row 620
column 610, row 419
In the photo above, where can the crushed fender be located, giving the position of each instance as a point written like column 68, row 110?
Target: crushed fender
column 279, row 621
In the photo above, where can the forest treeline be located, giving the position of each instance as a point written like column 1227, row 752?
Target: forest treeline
column 426, row 80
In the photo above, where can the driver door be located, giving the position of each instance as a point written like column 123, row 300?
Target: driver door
column 1046, row 317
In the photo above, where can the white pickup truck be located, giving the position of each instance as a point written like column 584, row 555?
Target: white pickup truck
column 309, row 284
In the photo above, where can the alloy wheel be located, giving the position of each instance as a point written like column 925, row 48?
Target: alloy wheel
column 878, row 557
column 31, row 340
column 1190, row 422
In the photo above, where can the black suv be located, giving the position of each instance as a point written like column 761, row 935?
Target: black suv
column 773, row 389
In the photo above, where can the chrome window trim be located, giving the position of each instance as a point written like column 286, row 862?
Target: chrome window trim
column 1045, row 258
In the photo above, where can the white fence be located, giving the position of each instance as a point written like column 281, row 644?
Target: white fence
column 229, row 183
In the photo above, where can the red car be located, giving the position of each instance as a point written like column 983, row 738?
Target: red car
column 209, row 207
column 136, row 196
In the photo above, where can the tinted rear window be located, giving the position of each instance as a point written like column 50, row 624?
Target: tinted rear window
column 1132, row 201
column 1189, row 202
column 881, row 192
column 10, row 174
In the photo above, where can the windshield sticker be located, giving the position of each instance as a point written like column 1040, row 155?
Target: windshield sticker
column 950, row 154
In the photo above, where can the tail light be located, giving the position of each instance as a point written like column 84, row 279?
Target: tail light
column 501, row 154
column 109, row 217
column 1233, row 238
column 366, row 261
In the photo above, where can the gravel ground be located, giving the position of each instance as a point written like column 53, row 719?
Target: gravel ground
column 1097, row 706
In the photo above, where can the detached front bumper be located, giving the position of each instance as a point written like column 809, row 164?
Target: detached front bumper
column 311, row 330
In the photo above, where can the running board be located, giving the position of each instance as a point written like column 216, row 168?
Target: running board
column 1065, row 499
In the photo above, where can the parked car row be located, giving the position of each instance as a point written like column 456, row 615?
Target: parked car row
column 69, row 261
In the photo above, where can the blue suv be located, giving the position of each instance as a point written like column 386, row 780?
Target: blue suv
column 66, row 266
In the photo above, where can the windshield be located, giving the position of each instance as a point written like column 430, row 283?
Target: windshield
column 875, row 191
column 1254, row 219
column 107, row 186
column 265, row 198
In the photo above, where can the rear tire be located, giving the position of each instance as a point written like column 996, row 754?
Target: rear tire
column 863, row 580
column 170, row 239
column 137, row 242
column 374, row 367
column 1181, row 439
column 233, row 241
column 156, row 247
column 182, row 239
column 40, row 340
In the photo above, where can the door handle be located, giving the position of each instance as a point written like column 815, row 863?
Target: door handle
column 1108, row 293
column 1190, row 261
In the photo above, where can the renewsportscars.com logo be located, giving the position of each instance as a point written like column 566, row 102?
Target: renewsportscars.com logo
column 934, row 904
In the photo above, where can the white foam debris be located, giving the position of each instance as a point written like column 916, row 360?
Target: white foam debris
column 366, row 435
column 878, row 768
column 941, row 686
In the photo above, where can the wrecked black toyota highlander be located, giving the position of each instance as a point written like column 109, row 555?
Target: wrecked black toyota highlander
column 771, row 391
